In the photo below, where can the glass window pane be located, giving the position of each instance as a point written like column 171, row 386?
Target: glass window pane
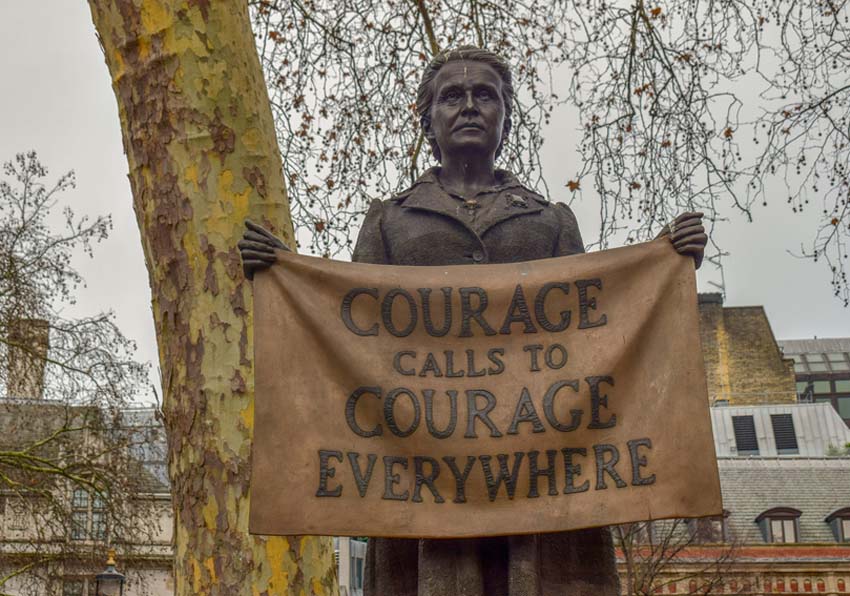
column 776, row 530
column 822, row 387
column 839, row 366
column 827, row 400
column 801, row 388
column 844, row 406
column 842, row 386
column 98, row 525
column 356, row 582
column 845, row 529
column 800, row 367
column 96, row 502
column 79, row 525
column 835, row 356
column 81, row 499
column 814, row 357
column 717, row 530
column 817, row 366
column 790, row 534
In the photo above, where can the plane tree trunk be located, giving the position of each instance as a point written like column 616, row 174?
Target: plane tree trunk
column 202, row 156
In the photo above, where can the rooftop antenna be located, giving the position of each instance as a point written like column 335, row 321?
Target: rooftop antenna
column 717, row 261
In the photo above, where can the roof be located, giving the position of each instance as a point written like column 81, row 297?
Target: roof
column 24, row 421
column 148, row 446
column 819, row 356
column 815, row 486
column 816, row 426
column 816, row 345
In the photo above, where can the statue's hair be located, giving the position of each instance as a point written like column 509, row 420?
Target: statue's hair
column 425, row 94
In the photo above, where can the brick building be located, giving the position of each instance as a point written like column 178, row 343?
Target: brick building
column 743, row 362
column 785, row 486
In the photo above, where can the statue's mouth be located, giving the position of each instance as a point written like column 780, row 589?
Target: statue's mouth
column 469, row 125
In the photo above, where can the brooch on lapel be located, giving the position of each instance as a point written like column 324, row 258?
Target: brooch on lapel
column 517, row 201
column 471, row 205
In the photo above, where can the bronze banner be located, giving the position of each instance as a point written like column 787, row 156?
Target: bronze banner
column 479, row 400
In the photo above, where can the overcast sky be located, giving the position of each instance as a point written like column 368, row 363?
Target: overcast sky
column 57, row 99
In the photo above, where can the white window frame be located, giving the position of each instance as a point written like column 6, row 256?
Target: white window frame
column 785, row 525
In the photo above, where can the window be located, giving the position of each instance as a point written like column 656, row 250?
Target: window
column 640, row 532
column 822, row 387
column 17, row 516
column 88, row 516
column 78, row 587
column 783, row 432
column 843, row 406
column 837, row 361
column 816, row 362
column 805, row 392
column 835, row 392
column 356, row 579
column 839, row 521
column 779, row 525
column 358, row 555
column 708, row 530
column 783, row 530
column 745, row 435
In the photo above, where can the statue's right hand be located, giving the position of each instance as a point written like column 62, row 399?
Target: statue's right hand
column 257, row 248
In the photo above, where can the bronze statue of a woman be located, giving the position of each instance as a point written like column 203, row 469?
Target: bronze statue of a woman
column 465, row 212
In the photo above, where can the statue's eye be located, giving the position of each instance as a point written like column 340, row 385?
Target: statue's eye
column 451, row 95
column 484, row 94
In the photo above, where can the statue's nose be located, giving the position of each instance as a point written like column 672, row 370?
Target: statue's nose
column 470, row 103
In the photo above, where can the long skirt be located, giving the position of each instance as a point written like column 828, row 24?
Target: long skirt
column 580, row 563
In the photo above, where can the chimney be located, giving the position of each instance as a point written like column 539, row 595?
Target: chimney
column 710, row 298
column 28, row 342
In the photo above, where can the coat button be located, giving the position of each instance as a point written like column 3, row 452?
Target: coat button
column 477, row 256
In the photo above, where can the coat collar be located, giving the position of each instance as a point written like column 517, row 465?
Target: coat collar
column 429, row 195
column 505, row 180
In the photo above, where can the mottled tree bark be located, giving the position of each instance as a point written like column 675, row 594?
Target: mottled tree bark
column 202, row 154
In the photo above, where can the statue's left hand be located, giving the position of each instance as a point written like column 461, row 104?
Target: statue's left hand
column 257, row 249
column 687, row 235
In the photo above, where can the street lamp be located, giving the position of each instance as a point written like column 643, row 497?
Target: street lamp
column 109, row 582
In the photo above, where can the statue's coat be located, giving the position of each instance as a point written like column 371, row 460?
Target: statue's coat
column 427, row 225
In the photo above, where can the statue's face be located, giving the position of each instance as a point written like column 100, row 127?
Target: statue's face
column 468, row 114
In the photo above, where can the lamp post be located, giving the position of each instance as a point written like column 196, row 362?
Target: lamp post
column 109, row 582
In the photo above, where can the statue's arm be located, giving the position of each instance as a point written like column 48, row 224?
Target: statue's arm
column 257, row 248
column 569, row 236
column 370, row 246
